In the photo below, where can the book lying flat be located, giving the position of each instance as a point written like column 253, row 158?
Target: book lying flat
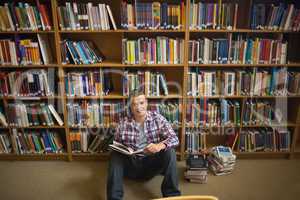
column 116, row 146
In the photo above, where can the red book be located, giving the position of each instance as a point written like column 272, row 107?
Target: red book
column 45, row 15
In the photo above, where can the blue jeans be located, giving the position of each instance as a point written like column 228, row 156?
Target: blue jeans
column 163, row 162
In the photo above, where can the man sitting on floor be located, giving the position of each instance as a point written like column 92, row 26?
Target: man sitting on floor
column 149, row 131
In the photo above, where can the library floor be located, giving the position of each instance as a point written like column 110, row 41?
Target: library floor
column 85, row 180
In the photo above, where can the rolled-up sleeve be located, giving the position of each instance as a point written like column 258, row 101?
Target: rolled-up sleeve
column 117, row 134
column 170, row 138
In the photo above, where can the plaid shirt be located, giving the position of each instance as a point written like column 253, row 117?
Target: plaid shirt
column 157, row 129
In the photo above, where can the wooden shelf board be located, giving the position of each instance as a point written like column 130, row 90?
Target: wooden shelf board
column 293, row 65
column 93, row 127
column 241, row 65
column 215, row 97
column 30, row 97
column 90, row 31
column 28, row 66
column 97, row 97
column 124, row 31
column 103, row 64
column 154, row 65
column 273, row 97
column 125, row 97
column 154, row 31
column 60, row 156
column 171, row 96
column 26, row 32
column 245, row 65
column 37, row 127
column 238, row 31
column 241, row 97
column 118, row 64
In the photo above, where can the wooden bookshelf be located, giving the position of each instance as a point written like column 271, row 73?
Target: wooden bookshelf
column 110, row 43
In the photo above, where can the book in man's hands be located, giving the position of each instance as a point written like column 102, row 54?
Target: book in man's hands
column 116, row 146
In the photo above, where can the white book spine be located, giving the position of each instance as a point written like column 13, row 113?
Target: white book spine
column 55, row 114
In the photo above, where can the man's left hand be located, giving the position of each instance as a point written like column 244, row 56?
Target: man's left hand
column 154, row 148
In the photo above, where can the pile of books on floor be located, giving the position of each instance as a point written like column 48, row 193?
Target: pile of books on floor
column 197, row 168
column 221, row 160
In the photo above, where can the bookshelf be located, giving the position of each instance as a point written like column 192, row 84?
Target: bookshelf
column 109, row 42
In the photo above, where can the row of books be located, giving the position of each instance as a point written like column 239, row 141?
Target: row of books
column 5, row 143
column 151, row 82
column 275, row 17
column 213, row 15
column 195, row 140
column 85, row 141
column 141, row 15
column 24, row 17
column 239, row 51
column 80, row 52
column 213, row 113
column 34, row 142
column 32, row 114
column 171, row 111
column 264, row 112
column 155, row 15
column 264, row 139
column 85, row 16
column 93, row 114
column 159, row 50
column 26, row 83
column 88, row 83
column 253, row 82
column 26, row 51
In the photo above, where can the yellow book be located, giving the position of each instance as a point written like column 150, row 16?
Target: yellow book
column 223, row 16
column 215, row 16
column 132, row 52
column 182, row 14
column 147, row 82
column 178, row 15
column 171, row 47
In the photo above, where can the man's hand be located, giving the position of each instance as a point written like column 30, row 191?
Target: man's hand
column 154, row 148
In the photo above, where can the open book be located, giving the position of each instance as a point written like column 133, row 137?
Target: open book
column 116, row 146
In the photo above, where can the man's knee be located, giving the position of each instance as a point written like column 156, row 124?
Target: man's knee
column 169, row 157
column 116, row 160
column 169, row 154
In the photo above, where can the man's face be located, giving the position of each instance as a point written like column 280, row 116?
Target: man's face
column 139, row 106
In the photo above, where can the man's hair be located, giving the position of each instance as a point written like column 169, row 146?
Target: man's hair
column 135, row 93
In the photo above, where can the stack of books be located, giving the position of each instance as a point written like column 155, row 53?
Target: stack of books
column 197, row 167
column 221, row 160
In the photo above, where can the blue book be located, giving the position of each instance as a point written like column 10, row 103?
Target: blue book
column 279, row 15
column 82, row 56
column 164, row 12
column 48, row 148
